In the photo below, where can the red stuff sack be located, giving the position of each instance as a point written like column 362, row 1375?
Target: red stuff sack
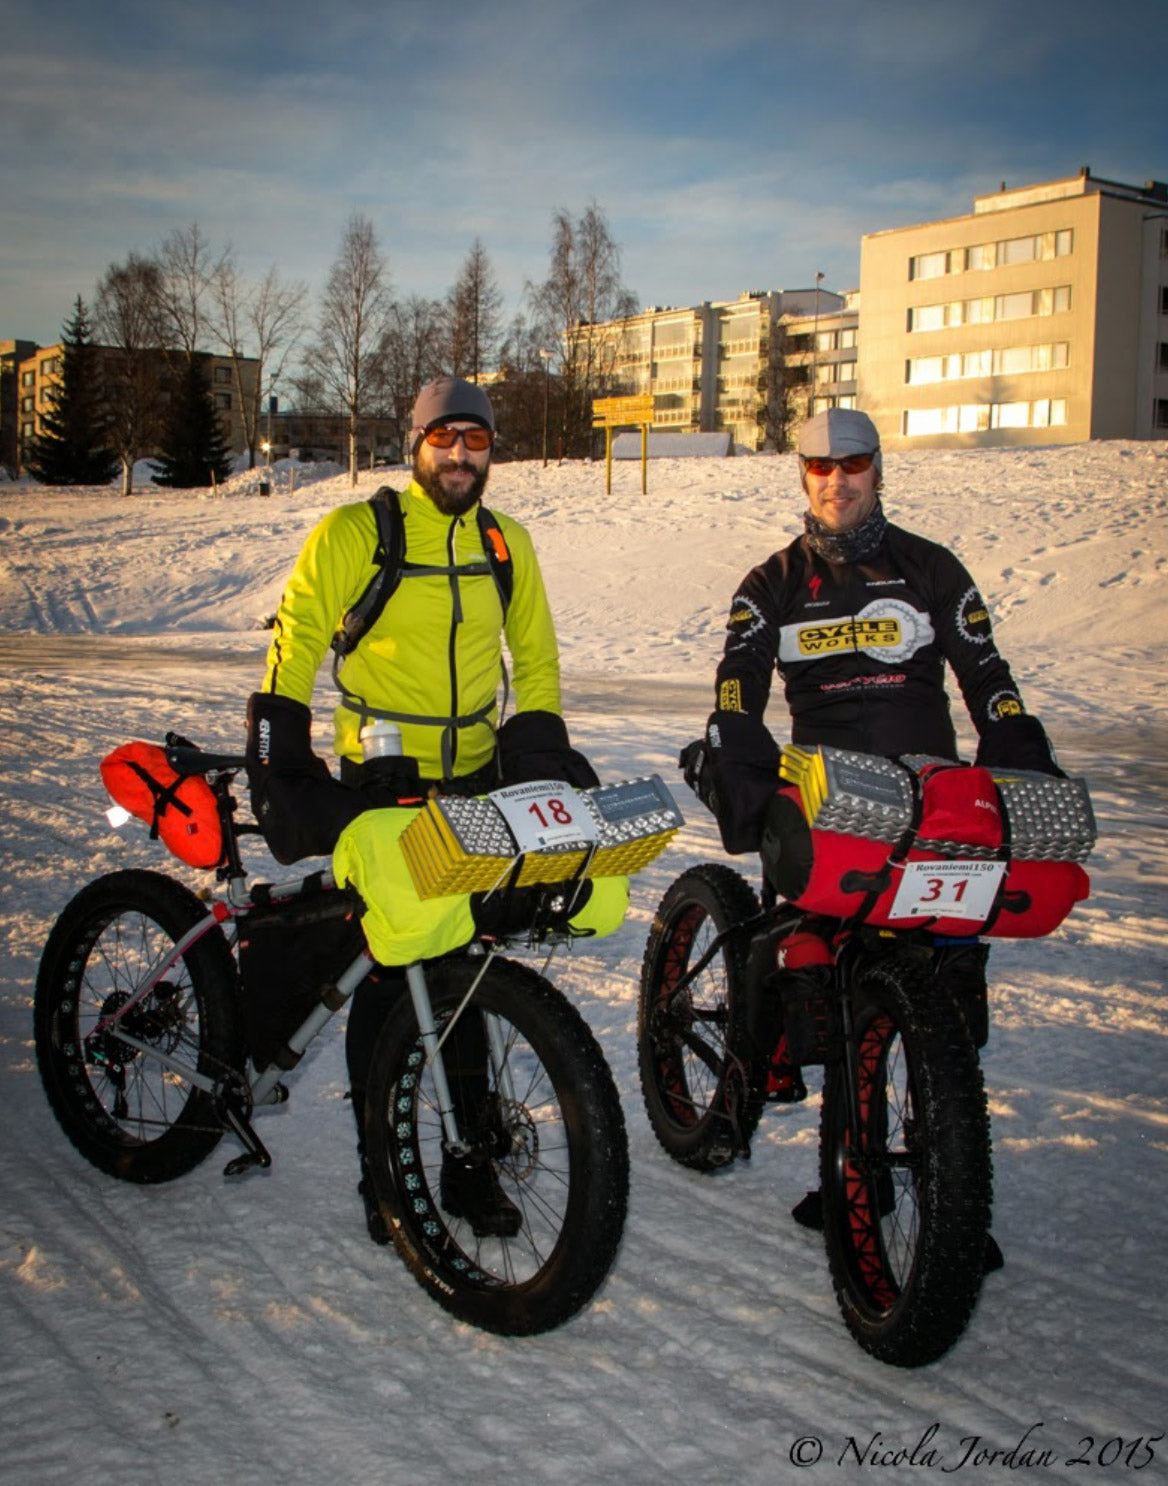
column 843, row 875
column 179, row 808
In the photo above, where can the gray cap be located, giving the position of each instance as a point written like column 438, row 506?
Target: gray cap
column 449, row 399
column 837, row 432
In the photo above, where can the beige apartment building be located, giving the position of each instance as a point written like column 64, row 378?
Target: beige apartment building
column 710, row 368
column 1041, row 317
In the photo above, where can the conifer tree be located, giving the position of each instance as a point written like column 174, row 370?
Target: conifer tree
column 74, row 446
column 193, row 448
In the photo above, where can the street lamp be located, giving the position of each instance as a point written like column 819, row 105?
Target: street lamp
column 814, row 348
column 546, row 358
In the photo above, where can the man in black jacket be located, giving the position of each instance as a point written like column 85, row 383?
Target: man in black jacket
column 858, row 617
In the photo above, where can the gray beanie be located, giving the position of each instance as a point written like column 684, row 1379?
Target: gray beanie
column 838, row 432
column 446, row 399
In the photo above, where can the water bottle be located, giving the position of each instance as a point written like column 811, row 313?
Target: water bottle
column 381, row 739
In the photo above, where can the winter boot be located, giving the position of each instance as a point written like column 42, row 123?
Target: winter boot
column 470, row 1189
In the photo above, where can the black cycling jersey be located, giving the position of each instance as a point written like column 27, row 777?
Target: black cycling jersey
column 861, row 648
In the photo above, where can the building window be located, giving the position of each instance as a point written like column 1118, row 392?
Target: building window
column 223, row 375
column 981, row 256
column 987, row 309
column 1162, row 356
column 1045, row 412
column 1164, row 299
column 928, row 266
column 1162, row 412
column 28, row 379
column 223, row 401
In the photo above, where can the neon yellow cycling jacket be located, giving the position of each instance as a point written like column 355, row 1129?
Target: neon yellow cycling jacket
column 433, row 660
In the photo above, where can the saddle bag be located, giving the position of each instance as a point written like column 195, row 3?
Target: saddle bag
column 180, row 809
column 918, row 842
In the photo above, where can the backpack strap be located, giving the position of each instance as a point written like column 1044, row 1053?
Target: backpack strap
column 390, row 554
column 498, row 556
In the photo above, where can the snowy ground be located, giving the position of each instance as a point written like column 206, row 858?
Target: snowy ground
column 247, row 1330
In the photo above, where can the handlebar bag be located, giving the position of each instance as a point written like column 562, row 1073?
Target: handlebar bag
column 180, row 809
column 960, row 821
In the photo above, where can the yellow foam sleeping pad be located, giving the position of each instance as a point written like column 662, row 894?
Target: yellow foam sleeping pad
column 415, row 868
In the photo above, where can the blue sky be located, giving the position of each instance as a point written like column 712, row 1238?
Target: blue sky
column 732, row 146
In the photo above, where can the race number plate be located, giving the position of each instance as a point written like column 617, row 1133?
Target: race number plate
column 545, row 813
column 957, row 889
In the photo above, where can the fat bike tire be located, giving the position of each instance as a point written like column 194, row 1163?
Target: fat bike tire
column 700, row 1074
column 126, row 1112
column 557, row 1145
column 906, row 1203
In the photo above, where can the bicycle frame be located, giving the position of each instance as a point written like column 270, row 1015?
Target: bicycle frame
column 265, row 1086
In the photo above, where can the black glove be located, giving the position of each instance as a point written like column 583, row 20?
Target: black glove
column 298, row 805
column 535, row 745
column 698, row 773
column 1018, row 742
column 742, row 761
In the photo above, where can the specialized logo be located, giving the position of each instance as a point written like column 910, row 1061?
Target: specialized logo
column 815, row 585
column 973, row 618
column 887, row 629
column 1005, row 704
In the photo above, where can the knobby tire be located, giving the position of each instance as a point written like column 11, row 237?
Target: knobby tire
column 122, row 1109
column 907, row 1204
column 558, row 1148
column 701, row 1074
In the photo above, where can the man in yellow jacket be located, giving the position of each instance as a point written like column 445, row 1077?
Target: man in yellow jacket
column 431, row 661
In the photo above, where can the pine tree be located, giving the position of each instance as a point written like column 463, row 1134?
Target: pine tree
column 193, row 451
column 74, row 446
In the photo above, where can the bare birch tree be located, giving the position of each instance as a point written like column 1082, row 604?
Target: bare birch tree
column 413, row 356
column 475, row 307
column 261, row 321
column 128, row 323
column 187, row 270
column 354, row 321
column 582, row 291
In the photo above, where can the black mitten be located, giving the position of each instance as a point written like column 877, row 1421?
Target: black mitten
column 535, row 745
column 298, row 805
column 1018, row 742
column 743, row 761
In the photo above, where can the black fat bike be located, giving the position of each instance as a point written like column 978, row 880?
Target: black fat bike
column 904, row 1149
column 149, row 1054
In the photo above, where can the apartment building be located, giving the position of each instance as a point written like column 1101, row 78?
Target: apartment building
column 12, row 354
column 1041, row 317
column 39, row 371
column 819, row 353
column 712, row 368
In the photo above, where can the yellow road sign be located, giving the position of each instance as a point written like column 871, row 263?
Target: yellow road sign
column 609, row 412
